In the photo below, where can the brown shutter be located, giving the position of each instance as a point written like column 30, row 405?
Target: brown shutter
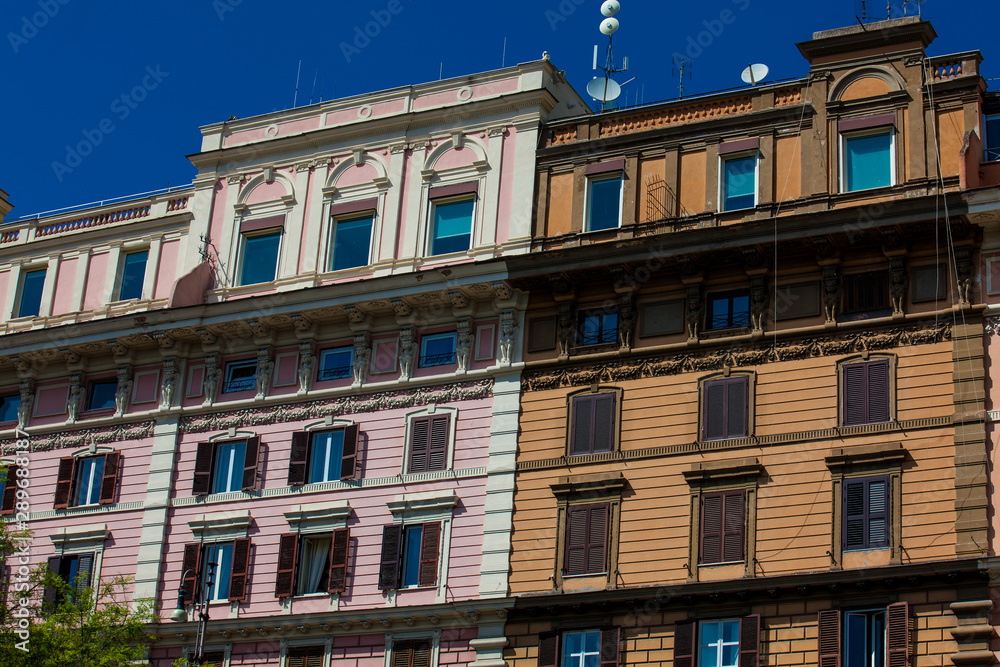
column 684, row 644
column 733, row 522
column 213, row 659
column 9, row 491
column 203, row 469
column 604, row 422
column 737, row 406
column 402, row 654
column 419, row 442
column 298, row 459
column 109, row 483
column 190, row 569
column 84, row 568
column 430, row 541
column 437, row 449
column 597, row 538
column 897, row 634
column 349, row 464
column 284, row 581
column 392, row 540
column 250, row 464
column 711, row 528
column 855, row 515
column 581, row 432
column 51, row 595
column 713, row 412
column 878, row 391
column 610, row 641
column 64, row 482
column 750, row 640
column 855, row 398
column 238, row 577
column 576, row 539
column 829, row 637
column 306, row 656
column 421, row 654
column 548, row 649
column 338, row 560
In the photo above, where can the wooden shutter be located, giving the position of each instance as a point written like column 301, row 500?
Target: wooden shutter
column 878, row 391
column 430, row 547
column 855, row 388
column 84, row 570
column 203, row 469
column 582, row 424
column 411, row 654
column 714, row 411
column 855, row 514
column 604, row 423
column 109, row 482
column 419, row 443
column 190, row 570
column 306, row 656
column 421, row 654
column 239, row 576
column 597, row 538
column 64, row 482
column 349, row 462
column 298, row 458
column 338, row 560
column 711, row 528
column 897, row 634
column 749, row 640
column 288, row 556
column 250, row 459
column 737, row 406
column 829, row 638
column 51, row 594
column 548, row 649
column 437, row 447
column 877, row 525
column 610, row 641
column 213, row 659
column 684, row 644
column 392, row 542
column 732, row 530
column 577, row 519
column 9, row 491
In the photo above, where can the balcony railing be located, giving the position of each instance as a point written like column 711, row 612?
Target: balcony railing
column 334, row 373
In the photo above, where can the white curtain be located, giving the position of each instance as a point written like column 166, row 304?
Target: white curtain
column 315, row 563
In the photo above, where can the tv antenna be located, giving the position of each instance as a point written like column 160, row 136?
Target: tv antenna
column 605, row 89
column 754, row 74
column 680, row 65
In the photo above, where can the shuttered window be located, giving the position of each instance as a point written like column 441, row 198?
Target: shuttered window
column 718, row 643
column 586, row 538
column 582, row 648
column 429, row 443
column 592, row 423
column 866, row 292
column 865, row 392
column 725, row 408
column 323, row 456
column 410, row 555
column 312, row 563
column 722, row 522
column 221, row 467
column 232, row 567
column 87, row 481
column 866, row 513
column 306, row 656
column 411, row 653
column 866, row 637
column 214, row 659
column 9, row 489
column 75, row 569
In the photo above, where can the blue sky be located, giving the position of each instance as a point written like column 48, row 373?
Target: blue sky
column 134, row 80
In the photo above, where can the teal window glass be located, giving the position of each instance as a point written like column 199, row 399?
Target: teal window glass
column 101, row 394
column 216, row 580
column 739, row 187
column 604, row 198
column 582, row 649
column 89, row 474
column 718, row 643
column 335, row 364
column 411, row 555
column 598, row 327
column 864, row 638
column 992, row 138
column 351, row 243
column 325, row 456
column 452, row 227
column 260, row 258
column 240, row 376
column 728, row 310
column 8, row 407
column 31, row 293
column 867, row 161
column 133, row 273
column 437, row 350
column 228, row 471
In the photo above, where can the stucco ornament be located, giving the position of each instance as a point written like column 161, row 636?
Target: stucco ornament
column 362, row 352
column 508, row 332
column 74, row 399
column 265, row 368
column 27, row 389
column 123, row 389
column 407, row 348
column 169, row 383
column 307, row 362
column 463, row 344
column 212, row 376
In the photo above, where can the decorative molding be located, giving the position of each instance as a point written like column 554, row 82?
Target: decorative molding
column 991, row 325
column 586, row 374
column 83, row 437
column 388, row 400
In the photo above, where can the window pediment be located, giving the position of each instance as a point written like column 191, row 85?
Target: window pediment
column 318, row 517
column 426, row 506
column 605, row 483
column 731, row 471
column 221, row 526
column 75, row 538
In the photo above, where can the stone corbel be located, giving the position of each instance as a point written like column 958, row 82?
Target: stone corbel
column 899, row 281
column 307, row 363
column 566, row 329
column 356, row 317
column 695, row 309
column 123, row 390
column 508, row 334
column 627, row 317
column 463, row 344
column 758, row 303
column 265, row 369
column 831, row 292
column 362, row 353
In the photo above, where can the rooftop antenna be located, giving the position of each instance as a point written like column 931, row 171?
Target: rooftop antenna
column 503, row 57
column 754, row 74
column 313, row 93
column 295, row 99
column 322, row 86
column 605, row 89
column 680, row 65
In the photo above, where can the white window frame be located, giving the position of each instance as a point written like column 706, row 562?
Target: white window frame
column 427, row 507
column 280, row 231
column 337, row 348
column 721, row 644
column 432, row 227
column 73, row 540
column 332, row 238
column 215, row 460
column 233, row 365
column 425, row 338
column 740, row 155
column 18, row 296
column 868, row 132
column 597, row 178
column 434, row 637
column 582, row 661
column 120, row 274
column 986, row 136
column 91, row 502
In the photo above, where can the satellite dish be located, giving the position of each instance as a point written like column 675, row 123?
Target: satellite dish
column 609, row 26
column 604, row 89
column 610, row 7
column 754, row 74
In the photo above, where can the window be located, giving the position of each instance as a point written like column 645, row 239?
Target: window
column 728, row 310
column 865, row 392
column 593, row 420
column 797, row 300
column 597, row 327
column 220, row 467
column 30, row 299
column 9, row 405
column 452, row 226
column 351, row 242
column 579, row 648
column 739, row 182
column 213, row 659
column 868, row 160
column 218, row 568
column 717, row 643
column 74, row 569
column 722, row 522
column 866, row 513
column 335, row 364
column 992, row 138
column 725, row 408
column 309, row 564
column 929, row 283
column 586, row 539
column 133, row 274
column 323, row 456
column 428, row 446
column 87, row 481
column 878, row 637
column 306, row 656
column 409, row 555
column 415, row 653
column 657, row 319
column 867, row 293
column 259, row 262
column 604, row 201
column 101, row 394
column 240, row 376
column 8, row 488
column 437, row 350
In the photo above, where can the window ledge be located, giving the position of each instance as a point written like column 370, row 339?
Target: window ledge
column 98, row 413
column 741, row 468
column 74, row 537
column 594, row 349
column 729, row 331
column 584, row 575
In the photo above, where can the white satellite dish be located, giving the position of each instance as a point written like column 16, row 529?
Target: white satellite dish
column 609, row 26
column 754, row 74
column 610, row 8
column 604, row 89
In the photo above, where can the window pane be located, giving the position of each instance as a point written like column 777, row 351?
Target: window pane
column 452, row 227
column 992, row 138
column 241, row 375
column 102, row 395
column 604, row 204
column 856, row 640
column 335, row 364
column 133, row 273
column 325, row 457
column 229, row 459
column 260, row 258
column 351, row 243
column 222, row 556
column 8, row 407
column 31, row 293
column 739, row 188
column 868, row 161
column 89, row 474
column 314, row 569
column 411, row 556
column 437, row 350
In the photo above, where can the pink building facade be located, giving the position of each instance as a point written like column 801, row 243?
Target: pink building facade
column 294, row 385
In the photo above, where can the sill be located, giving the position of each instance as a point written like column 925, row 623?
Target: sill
column 6, row 425
column 884, row 421
column 311, row 596
column 728, row 331
column 728, row 437
column 861, row 550
column 603, row 573
column 722, row 563
column 97, row 414
column 416, row 588
column 861, row 315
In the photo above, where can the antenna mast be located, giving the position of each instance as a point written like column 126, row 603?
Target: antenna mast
column 605, row 89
